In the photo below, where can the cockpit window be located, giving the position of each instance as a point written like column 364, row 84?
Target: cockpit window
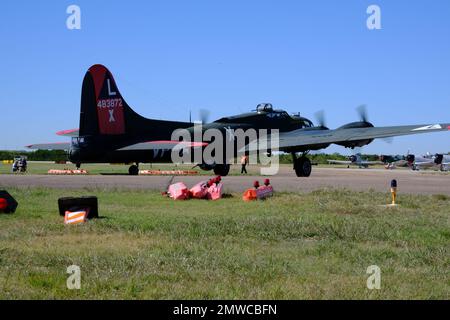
column 264, row 107
column 278, row 115
column 77, row 141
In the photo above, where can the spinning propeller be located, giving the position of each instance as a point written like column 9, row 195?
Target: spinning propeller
column 320, row 116
column 363, row 115
column 204, row 115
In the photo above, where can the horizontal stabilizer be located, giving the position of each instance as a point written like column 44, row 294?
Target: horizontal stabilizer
column 69, row 133
column 50, row 146
column 164, row 144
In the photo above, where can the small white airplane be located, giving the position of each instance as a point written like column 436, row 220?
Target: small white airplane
column 356, row 160
column 440, row 161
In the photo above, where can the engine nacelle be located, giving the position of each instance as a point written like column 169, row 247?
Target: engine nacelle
column 206, row 167
column 356, row 143
column 438, row 158
column 410, row 158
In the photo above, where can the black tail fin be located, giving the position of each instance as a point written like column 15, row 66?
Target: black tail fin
column 105, row 112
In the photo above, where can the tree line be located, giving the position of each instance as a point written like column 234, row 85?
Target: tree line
column 38, row 155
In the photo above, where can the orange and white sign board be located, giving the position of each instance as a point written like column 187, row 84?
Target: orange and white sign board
column 75, row 217
column 67, row 172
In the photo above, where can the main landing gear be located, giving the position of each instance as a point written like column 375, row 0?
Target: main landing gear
column 302, row 165
column 134, row 170
column 221, row 169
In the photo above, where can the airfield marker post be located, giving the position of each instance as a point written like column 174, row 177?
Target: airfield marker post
column 394, row 191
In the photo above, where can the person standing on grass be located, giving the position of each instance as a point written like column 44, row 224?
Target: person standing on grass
column 244, row 162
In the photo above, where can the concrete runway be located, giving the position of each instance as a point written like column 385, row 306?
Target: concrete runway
column 354, row 179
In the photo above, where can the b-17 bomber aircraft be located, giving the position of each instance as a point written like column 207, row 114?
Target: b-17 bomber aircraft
column 111, row 132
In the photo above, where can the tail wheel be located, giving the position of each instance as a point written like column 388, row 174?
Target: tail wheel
column 222, row 169
column 133, row 170
column 303, row 167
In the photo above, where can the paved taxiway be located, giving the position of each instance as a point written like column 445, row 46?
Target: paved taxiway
column 354, row 179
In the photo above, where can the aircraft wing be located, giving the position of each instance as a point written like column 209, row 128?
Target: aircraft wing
column 50, row 146
column 302, row 138
column 421, row 162
column 371, row 163
column 164, row 145
column 150, row 145
column 339, row 162
column 56, row 145
column 400, row 163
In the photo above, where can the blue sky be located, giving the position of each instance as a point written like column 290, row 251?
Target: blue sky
column 169, row 57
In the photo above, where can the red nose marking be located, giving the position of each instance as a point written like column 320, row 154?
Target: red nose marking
column 448, row 127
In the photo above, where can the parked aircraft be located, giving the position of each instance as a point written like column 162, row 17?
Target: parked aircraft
column 392, row 162
column 356, row 160
column 439, row 161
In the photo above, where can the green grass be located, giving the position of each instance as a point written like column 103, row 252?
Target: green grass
column 293, row 246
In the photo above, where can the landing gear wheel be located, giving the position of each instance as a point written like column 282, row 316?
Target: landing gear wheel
column 133, row 170
column 78, row 165
column 222, row 169
column 302, row 167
